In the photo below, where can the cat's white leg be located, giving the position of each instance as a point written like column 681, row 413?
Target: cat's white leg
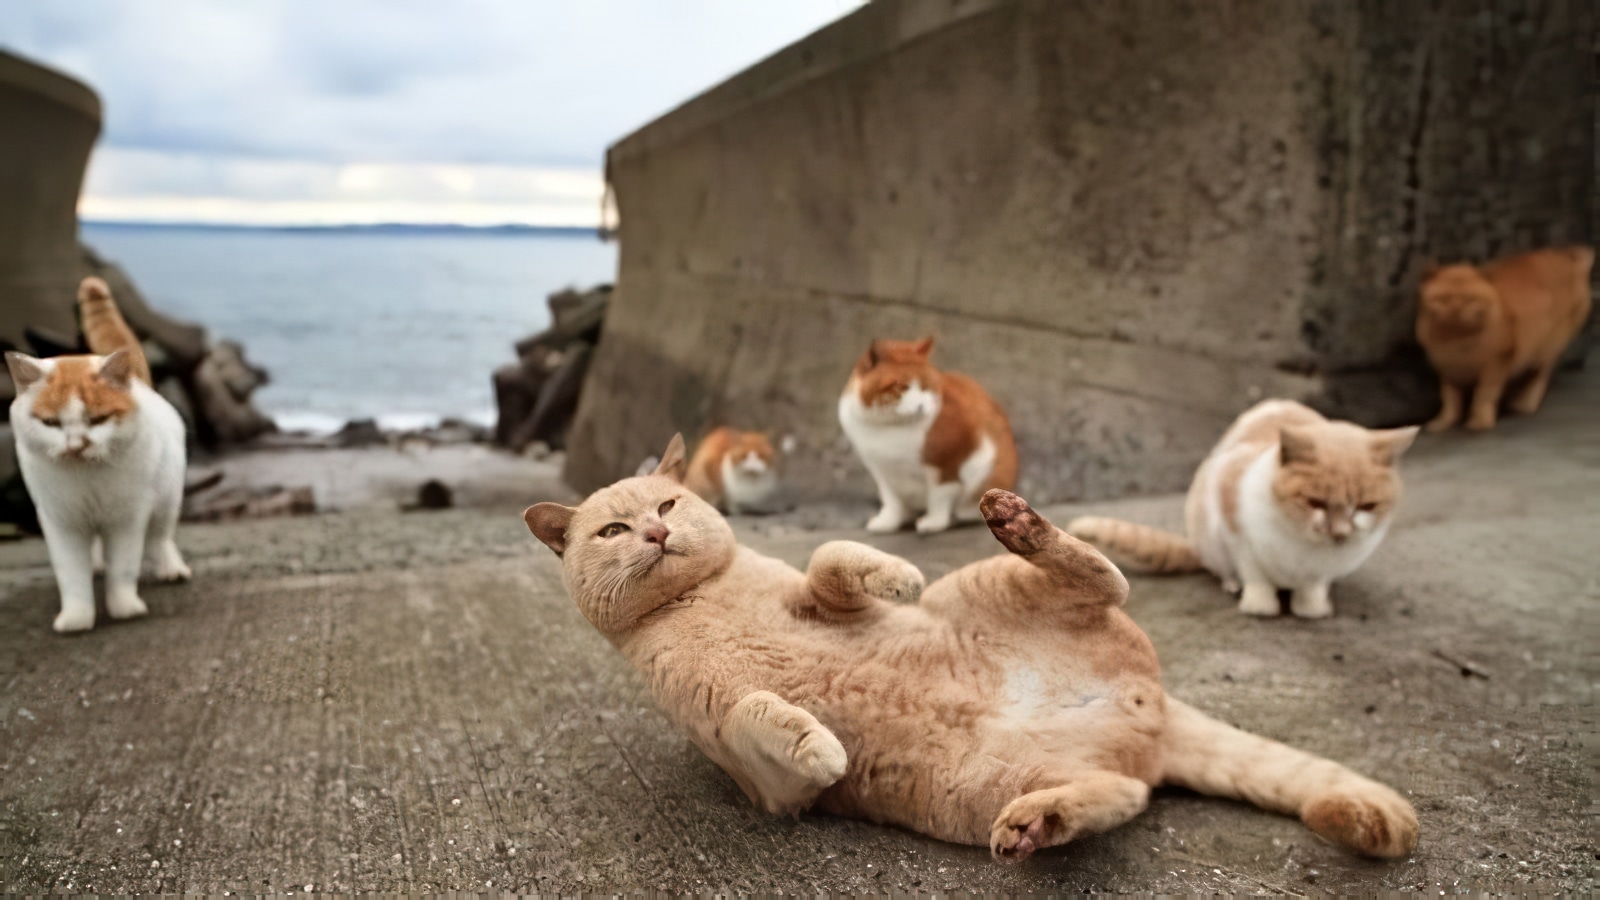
column 893, row 513
column 97, row 554
column 124, row 554
column 1259, row 596
column 942, row 499
column 161, row 546
column 1311, row 601
column 71, row 556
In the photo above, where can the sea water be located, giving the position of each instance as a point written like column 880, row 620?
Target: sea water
column 405, row 327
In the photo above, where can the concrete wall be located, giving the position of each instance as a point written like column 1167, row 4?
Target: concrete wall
column 50, row 123
column 1127, row 220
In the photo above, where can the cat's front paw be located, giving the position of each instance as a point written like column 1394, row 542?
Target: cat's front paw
column 1259, row 600
column 1440, row 423
column 820, row 757
column 887, row 521
column 932, row 523
column 125, row 606
column 71, row 620
column 1480, row 421
column 896, row 581
column 1018, row 832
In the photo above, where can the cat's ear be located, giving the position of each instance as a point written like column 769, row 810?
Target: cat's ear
column 1429, row 269
column 117, row 369
column 870, row 358
column 924, row 346
column 674, row 462
column 1295, row 446
column 1387, row 446
column 548, row 522
column 25, row 370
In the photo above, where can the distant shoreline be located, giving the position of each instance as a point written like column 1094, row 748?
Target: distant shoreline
column 395, row 228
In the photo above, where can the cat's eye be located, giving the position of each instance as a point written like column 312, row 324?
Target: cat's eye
column 1367, row 507
column 1317, row 504
column 612, row 530
column 666, row 508
column 50, row 421
column 100, row 419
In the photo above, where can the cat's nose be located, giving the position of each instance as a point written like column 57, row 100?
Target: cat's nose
column 1339, row 528
column 657, row 534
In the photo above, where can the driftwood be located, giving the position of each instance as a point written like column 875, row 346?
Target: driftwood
column 249, row 503
column 537, row 395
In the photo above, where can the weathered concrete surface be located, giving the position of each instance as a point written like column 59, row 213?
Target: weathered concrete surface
column 51, row 122
column 1128, row 220
column 409, row 702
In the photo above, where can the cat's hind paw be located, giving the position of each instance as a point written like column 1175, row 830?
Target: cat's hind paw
column 1014, row 522
column 126, row 606
column 170, row 565
column 887, row 521
column 173, row 570
column 1381, row 824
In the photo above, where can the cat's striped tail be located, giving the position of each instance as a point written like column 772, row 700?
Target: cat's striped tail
column 1138, row 548
column 105, row 329
column 1355, row 812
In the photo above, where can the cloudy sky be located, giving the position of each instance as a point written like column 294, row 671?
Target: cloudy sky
column 338, row 111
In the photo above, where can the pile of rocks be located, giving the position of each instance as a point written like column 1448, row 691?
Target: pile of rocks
column 537, row 396
column 210, row 382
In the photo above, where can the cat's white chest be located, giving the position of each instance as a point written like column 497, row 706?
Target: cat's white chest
column 891, row 443
column 748, row 484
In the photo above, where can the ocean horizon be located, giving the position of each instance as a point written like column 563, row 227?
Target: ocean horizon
column 403, row 324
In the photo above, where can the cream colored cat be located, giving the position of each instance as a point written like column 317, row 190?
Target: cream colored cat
column 1287, row 500
column 1014, row 706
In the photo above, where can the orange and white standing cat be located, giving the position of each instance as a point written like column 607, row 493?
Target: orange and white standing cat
column 1486, row 326
column 1287, row 500
column 933, row 441
column 103, row 457
column 736, row 471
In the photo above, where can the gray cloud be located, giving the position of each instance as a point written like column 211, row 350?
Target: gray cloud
column 470, row 81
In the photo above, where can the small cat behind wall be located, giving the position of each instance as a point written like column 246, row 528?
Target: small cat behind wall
column 736, row 471
column 1287, row 500
column 1484, row 327
column 933, row 441
column 103, row 457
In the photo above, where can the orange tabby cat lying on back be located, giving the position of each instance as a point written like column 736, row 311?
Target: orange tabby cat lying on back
column 1015, row 706
column 1486, row 326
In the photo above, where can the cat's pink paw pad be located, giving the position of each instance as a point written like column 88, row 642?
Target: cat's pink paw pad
column 1015, row 843
column 1013, row 522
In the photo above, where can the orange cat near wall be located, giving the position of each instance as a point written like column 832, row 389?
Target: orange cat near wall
column 1487, row 326
column 733, row 470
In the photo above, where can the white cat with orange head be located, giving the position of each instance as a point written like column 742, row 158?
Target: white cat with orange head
column 933, row 441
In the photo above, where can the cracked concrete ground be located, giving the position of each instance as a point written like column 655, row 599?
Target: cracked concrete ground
column 397, row 702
